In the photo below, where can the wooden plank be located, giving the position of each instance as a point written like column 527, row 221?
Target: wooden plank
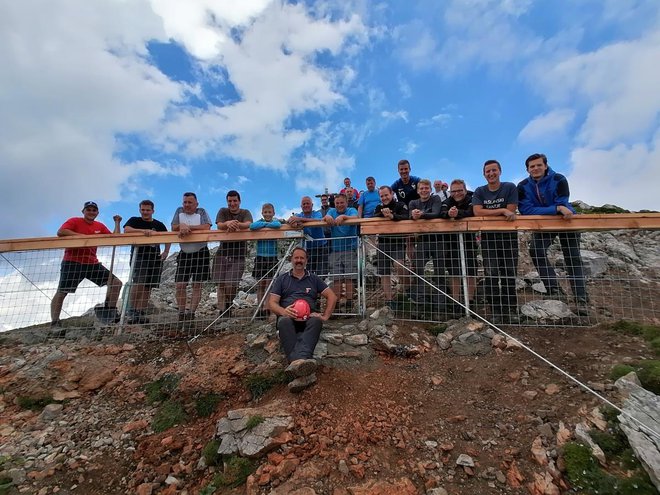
column 369, row 226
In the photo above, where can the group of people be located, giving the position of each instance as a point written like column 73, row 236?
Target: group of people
column 332, row 249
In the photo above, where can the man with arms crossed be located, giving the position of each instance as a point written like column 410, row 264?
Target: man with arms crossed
column 229, row 262
column 428, row 246
column 499, row 249
column 546, row 192
column 394, row 246
column 81, row 263
column 343, row 248
column 317, row 249
column 193, row 260
column 299, row 337
column 147, row 262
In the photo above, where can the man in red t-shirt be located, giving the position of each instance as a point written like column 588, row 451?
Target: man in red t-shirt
column 81, row 263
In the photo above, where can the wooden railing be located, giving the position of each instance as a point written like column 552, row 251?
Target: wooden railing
column 369, row 226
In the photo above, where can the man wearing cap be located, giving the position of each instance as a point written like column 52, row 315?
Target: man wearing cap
column 81, row 263
column 193, row 260
column 299, row 337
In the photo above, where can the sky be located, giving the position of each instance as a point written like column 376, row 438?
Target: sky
column 117, row 101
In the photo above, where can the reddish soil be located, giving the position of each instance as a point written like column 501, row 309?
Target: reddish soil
column 376, row 417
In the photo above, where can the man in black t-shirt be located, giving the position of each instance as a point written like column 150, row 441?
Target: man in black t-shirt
column 146, row 262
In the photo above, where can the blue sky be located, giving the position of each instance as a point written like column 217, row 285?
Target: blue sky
column 118, row 101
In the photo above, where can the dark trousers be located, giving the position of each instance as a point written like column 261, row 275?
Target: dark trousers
column 317, row 260
column 430, row 248
column 500, row 254
column 570, row 247
column 299, row 338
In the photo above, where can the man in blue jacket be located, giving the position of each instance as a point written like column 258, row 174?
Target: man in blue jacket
column 546, row 192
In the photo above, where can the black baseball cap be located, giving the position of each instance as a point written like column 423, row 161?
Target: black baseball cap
column 90, row 204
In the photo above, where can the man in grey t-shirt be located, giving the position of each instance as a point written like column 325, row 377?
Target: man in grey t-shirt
column 192, row 263
column 499, row 249
column 229, row 261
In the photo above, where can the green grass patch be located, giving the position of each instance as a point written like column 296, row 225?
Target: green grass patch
column 254, row 421
column 6, row 483
column 170, row 413
column 650, row 333
column 619, row 370
column 206, row 404
column 162, row 389
column 34, row 403
column 258, row 384
column 235, row 473
column 647, row 371
column 210, row 453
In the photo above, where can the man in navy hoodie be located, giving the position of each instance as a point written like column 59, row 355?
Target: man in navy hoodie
column 546, row 192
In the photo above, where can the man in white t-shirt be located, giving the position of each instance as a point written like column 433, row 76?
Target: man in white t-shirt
column 193, row 260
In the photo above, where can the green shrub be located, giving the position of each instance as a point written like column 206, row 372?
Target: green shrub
column 170, row 413
column 162, row 389
column 254, row 421
column 647, row 371
column 258, row 384
column 6, row 484
column 206, row 404
column 620, row 370
column 237, row 469
column 34, row 403
column 210, row 453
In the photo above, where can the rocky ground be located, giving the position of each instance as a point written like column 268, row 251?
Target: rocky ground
column 396, row 409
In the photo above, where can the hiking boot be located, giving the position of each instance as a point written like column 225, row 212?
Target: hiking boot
column 182, row 316
column 300, row 368
column 107, row 315
column 582, row 306
column 300, row 384
column 56, row 331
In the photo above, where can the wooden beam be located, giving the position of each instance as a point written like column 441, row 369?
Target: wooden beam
column 369, row 226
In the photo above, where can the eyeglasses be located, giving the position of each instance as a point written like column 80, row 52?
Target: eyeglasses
column 457, row 191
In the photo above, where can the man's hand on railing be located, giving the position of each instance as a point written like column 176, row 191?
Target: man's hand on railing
column 510, row 215
column 565, row 212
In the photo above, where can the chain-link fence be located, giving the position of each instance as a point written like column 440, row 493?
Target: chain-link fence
column 529, row 276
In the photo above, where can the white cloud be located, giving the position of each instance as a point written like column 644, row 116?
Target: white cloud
column 390, row 116
column 278, row 46
column 624, row 175
column 440, row 119
column 548, row 124
column 66, row 70
column 76, row 77
column 409, row 147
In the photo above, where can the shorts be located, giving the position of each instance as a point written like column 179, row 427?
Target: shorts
column 453, row 255
column 228, row 270
column 343, row 264
column 72, row 273
column 192, row 266
column 147, row 270
column 317, row 260
column 264, row 267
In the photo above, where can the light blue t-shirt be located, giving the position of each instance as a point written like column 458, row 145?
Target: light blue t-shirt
column 369, row 200
column 344, row 237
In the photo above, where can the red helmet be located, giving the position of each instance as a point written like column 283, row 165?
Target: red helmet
column 301, row 307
